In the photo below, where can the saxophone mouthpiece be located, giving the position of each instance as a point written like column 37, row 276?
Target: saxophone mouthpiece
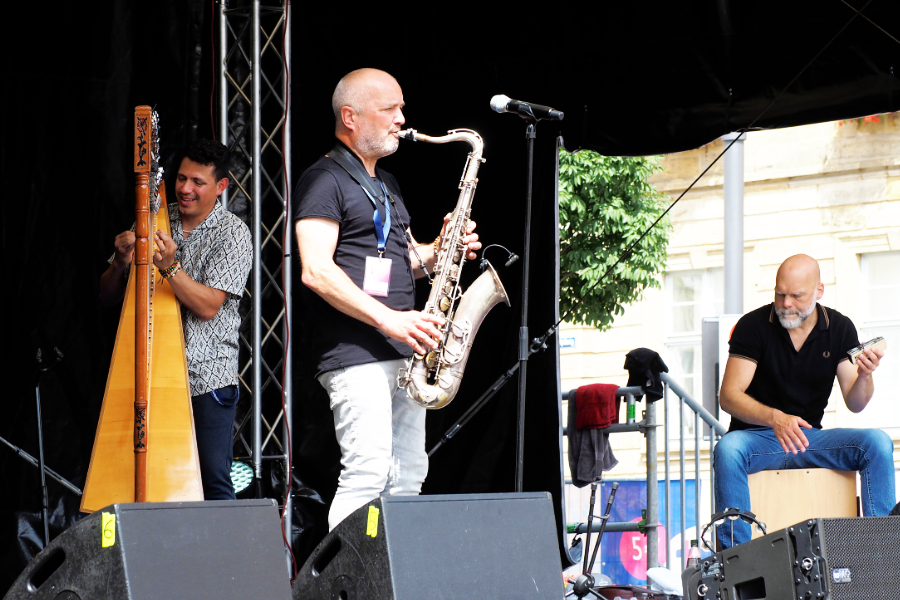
column 408, row 134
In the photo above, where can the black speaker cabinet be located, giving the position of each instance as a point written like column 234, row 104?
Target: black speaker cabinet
column 820, row 559
column 498, row 546
column 192, row 550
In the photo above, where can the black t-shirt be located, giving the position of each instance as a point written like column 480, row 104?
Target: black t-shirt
column 797, row 383
column 326, row 190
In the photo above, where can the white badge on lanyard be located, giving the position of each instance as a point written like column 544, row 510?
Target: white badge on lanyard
column 377, row 280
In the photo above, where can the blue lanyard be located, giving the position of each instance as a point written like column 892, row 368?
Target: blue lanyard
column 382, row 231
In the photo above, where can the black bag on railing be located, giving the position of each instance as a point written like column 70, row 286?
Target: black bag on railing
column 644, row 366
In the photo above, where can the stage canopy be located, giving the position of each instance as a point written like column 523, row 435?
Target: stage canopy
column 639, row 78
column 634, row 78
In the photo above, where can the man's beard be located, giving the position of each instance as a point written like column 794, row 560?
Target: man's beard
column 792, row 319
column 372, row 145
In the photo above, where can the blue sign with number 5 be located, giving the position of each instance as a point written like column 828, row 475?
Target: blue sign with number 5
column 624, row 555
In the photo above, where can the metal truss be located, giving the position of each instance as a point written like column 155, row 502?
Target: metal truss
column 254, row 122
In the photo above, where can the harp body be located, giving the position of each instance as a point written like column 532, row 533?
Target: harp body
column 145, row 449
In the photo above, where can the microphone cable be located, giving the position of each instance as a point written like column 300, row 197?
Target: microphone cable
column 511, row 257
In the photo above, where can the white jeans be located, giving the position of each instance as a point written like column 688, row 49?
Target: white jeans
column 381, row 433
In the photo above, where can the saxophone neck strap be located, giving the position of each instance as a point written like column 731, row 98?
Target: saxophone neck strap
column 382, row 216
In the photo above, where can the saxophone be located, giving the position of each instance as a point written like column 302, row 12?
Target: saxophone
column 433, row 379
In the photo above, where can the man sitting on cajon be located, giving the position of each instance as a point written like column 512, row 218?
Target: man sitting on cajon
column 782, row 361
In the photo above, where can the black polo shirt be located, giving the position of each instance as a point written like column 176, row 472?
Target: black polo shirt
column 797, row 383
column 326, row 190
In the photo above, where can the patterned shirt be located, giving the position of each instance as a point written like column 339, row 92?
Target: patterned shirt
column 218, row 253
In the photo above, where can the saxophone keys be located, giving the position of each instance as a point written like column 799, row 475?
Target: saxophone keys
column 460, row 329
column 431, row 360
column 453, row 352
column 446, row 381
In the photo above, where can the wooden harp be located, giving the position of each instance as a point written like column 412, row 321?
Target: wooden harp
column 145, row 449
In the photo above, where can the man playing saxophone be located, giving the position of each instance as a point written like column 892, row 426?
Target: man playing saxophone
column 359, row 261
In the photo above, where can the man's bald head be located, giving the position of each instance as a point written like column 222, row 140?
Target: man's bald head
column 798, row 286
column 799, row 268
column 355, row 89
column 368, row 114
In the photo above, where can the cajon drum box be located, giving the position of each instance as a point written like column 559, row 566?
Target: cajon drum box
column 781, row 498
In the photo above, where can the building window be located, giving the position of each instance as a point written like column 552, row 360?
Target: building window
column 690, row 296
column 880, row 303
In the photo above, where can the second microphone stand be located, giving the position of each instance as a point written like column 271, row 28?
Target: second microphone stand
column 524, row 339
column 584, row 583
column 526, row 346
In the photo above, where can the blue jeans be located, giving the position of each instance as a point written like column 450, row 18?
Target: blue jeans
column 381, row 432
column 740, row 453
column 214, row 422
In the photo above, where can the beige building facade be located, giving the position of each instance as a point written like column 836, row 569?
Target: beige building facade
column 830, row 190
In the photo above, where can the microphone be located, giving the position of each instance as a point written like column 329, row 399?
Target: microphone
column 502, row 103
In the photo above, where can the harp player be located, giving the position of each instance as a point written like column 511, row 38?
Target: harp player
column 358, row 267
column 206, row 261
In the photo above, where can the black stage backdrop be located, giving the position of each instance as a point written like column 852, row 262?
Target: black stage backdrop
column 633, row 79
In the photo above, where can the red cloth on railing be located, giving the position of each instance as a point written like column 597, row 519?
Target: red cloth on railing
column 596, row 405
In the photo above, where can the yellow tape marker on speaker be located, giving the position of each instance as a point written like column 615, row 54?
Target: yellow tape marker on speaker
column 372, row 522
column 108, row 530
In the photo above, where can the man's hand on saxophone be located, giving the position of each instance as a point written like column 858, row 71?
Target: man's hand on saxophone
column 419, row 330
column 429, row 252
column 471, row 239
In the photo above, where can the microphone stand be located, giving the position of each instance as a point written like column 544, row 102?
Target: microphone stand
column 526, row 347
column 584, row 583
column 35, row 463
column 43, row 367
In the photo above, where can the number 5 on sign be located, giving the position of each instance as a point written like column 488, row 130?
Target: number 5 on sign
column 639, row 545
column 633, row 551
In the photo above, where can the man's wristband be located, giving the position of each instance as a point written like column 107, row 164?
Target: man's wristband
column 166, row 273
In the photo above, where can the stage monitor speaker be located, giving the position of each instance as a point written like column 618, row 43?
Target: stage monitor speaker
column 194, row 550
column 499, row 546
column 820, row 559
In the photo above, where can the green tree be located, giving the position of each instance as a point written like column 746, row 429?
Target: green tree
column 605, row 204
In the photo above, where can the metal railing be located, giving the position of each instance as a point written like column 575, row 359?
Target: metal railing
column 648, row 426
column 716, row 431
